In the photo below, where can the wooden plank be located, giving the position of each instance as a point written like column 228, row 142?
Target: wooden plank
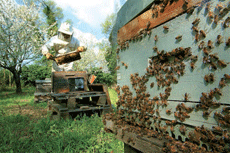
column 171, row 10
column 141, row 143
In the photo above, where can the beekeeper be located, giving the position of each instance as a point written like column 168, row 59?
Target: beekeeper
column 62, row 43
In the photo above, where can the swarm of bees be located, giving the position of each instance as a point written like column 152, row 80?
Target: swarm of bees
column 167, row 67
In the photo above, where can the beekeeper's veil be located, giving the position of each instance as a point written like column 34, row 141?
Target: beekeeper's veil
column 65, row 32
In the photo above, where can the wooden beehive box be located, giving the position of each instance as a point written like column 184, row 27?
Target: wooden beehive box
column 173, row 65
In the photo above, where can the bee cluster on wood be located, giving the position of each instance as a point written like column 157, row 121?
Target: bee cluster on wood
column 142, row 113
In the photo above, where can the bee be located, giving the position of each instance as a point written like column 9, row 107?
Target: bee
column 217, row 91
column 226, row 109
column 205, row 51
column 217, row 129
column 227, row 76
column 206, row 113
column 213, row 66
column 196, row 21
column 117, row 68
column 228, row 42
column 210, row 15
column 201, row 45
column 211, row 77
column 223, row 11
column 126, row 66
column 190, row 10
column 192, row 65
column 122, row 63
column 182, row 119
column 186, row 96
column 206, row 78
column 172, row 128
column 195, row 29
column 155, row 48
column 219, row 39
column 216, row 19
column 165, row 27
column 178, row 37
column 182, row 129
column 226, row 22
column 210, row 44
column 148, row 25
column 222, row 83
column 203, row 33
column 197, row 37
column 221, row 63
column 207, row 7
column 156, row 38
column 214, row 56
column 152, row 84
column 204, row 95
column 177, row 115
column 168, row 111
column 219, row 6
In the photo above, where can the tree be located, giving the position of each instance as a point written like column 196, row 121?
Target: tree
column 35, row 72
column 103, row 78
column 21, row 37
column 90, row 58
column 110, row 54
column 53, row 15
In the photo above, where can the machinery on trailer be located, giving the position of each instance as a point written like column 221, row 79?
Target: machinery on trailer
column 173, row 76
column 72, row 93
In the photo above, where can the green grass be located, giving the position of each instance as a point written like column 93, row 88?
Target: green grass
column 113, row 97
column 21, row 131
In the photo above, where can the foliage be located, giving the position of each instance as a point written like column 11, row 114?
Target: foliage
column 5, row 78
column 90, row 58
column 110, row 54
column 21, row 36
column 21, row 133
column 35, row 72
column 113, row 97
column 104, row 78
column 107, row 25
column 53, row 14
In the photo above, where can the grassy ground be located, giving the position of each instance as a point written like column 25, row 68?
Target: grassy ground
column 24, row 127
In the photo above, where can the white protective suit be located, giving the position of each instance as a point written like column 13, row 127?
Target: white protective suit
column 61, row 47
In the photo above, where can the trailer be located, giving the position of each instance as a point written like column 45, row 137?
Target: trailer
column 173, row 76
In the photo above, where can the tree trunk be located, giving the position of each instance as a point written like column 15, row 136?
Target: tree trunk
column 4, row 77
column 17, row 82
column 10, row 79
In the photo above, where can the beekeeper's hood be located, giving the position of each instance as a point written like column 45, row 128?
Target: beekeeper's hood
column 65, row 28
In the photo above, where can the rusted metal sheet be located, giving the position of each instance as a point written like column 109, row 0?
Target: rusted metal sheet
column 148, row 21
column 60, row 83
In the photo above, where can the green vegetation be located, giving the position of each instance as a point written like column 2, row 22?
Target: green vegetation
column 24, row 127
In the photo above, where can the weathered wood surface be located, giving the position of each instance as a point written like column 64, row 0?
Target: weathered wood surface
column 133, row 28
column 129, row 10
column 142, row 143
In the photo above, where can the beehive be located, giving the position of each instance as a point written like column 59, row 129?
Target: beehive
column 173, row 73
